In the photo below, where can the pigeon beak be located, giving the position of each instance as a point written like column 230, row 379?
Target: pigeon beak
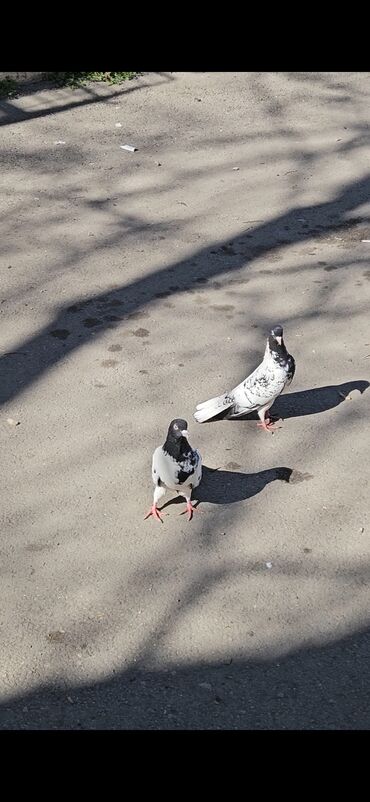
column 278, row 340
column 185, row 433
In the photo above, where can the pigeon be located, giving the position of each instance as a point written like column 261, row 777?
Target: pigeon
column 175, row 466
column 258, row 391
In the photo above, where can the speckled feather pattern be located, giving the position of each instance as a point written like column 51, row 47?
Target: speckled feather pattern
column 258, row 390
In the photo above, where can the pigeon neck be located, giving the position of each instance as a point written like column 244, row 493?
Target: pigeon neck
column 175, row 446
column 278, row 352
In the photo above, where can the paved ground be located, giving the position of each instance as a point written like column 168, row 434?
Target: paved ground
column 134, row 285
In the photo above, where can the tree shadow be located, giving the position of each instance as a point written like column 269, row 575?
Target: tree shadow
column 10, row 113
column 74, row 324
column 301, row 689
column 319, row 686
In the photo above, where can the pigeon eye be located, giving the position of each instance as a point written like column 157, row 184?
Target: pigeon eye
column 175, row 426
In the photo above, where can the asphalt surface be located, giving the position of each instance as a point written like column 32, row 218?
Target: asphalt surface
column 133, row 286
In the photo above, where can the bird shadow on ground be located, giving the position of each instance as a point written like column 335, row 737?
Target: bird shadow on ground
column 305, row 402
column 227, row 487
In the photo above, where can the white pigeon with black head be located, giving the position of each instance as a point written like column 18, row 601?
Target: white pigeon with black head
column 175, row 466
column 258, row 391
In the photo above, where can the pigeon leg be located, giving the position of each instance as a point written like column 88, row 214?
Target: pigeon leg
column 189, row 507
column 159, row 491
column 266, row 422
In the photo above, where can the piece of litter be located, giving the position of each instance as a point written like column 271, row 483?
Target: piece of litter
column 13, row 422
column 362, row 529
column 365, row 240
column 159, row 164
column 268, row 565
column 70, row 700
column 236, row 168
column 59, row 142
column 56, row 636
column 131, row 148
column 118, row 125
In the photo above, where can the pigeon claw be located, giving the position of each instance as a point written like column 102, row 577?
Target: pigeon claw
column 268, row 425
column 155, row 512
column 190, row 509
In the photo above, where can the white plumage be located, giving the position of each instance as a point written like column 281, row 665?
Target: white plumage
column 259, row 390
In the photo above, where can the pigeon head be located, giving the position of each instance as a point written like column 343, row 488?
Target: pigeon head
column 178, row 428
column 277, row 334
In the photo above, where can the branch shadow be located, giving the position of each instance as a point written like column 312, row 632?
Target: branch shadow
column 263, row 694
column 73, row 325
column 10, row 113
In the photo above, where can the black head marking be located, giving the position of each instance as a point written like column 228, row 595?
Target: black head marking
column 277, row 331
column 176, row 444
column 176, row 427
